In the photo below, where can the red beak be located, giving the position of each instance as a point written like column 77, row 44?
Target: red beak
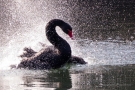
column 70, row 34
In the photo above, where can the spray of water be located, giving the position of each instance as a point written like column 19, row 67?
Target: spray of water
column 26, row 24
column 26, row 29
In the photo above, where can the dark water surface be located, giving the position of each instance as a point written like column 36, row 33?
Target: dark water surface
column 107, row 77
column 104, row 33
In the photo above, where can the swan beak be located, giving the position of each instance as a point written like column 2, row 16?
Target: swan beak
column 70, row 34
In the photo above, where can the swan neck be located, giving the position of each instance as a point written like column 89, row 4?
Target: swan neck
column 57, row 41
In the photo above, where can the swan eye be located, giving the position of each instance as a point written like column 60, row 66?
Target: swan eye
column 70, row 34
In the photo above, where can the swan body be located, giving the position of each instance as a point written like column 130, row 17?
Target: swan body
column 51, row 57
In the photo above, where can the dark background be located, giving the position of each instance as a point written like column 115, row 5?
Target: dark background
column 90, row 19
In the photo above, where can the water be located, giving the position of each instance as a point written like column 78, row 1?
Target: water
column 77, row 78
column 104, row 33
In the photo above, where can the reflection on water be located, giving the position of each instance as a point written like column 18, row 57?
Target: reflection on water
column 105, row 77
column 56, row 79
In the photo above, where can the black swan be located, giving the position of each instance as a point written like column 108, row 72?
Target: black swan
column 51, row 58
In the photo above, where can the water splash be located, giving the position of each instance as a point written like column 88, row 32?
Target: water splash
column 24, row 25
column 107, row 52
column 23, row 28
column 14, row 47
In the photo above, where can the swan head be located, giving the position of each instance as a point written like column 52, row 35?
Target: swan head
column 66, row 28
column 68, row 31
